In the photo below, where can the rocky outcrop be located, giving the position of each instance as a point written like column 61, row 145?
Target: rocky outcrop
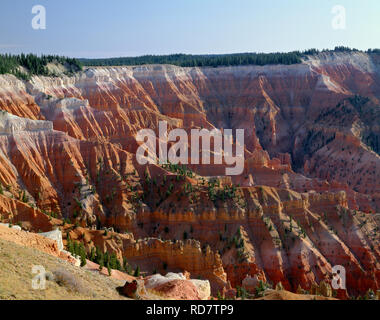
column 130, row 289
column 162, row 255
column 10, row 124
column 172, row 286
column 55, row 235
column 15, row 99
column 34, row 241
column 178, row 287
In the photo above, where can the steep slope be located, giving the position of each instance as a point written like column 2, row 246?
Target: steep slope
column 16, row 275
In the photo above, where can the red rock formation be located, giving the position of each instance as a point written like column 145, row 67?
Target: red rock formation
column 311, row 135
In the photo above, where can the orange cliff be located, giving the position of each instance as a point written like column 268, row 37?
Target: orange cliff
column 311, row 177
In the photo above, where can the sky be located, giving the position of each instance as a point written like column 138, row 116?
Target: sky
column 114, row 28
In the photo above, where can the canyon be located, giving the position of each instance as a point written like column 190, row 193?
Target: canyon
column 307, row 200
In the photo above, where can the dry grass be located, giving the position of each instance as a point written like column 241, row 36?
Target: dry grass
column 65, row 281
column 69, row 280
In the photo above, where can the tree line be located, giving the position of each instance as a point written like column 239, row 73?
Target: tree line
column 26, row 65
column 215, row 60
column 103, row 259
column 189, row 60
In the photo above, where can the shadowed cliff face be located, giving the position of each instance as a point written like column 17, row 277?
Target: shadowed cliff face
column 67, row 145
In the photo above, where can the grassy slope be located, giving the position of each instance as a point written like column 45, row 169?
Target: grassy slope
column 16, row 277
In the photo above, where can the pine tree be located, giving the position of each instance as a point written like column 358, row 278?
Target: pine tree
column 70, row 245
column 82, row 254
column 99, row 256
column 137, row 272
column 83, row 261
column 93, row 254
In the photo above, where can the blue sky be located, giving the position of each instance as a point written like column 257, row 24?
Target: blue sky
column 96, row 28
